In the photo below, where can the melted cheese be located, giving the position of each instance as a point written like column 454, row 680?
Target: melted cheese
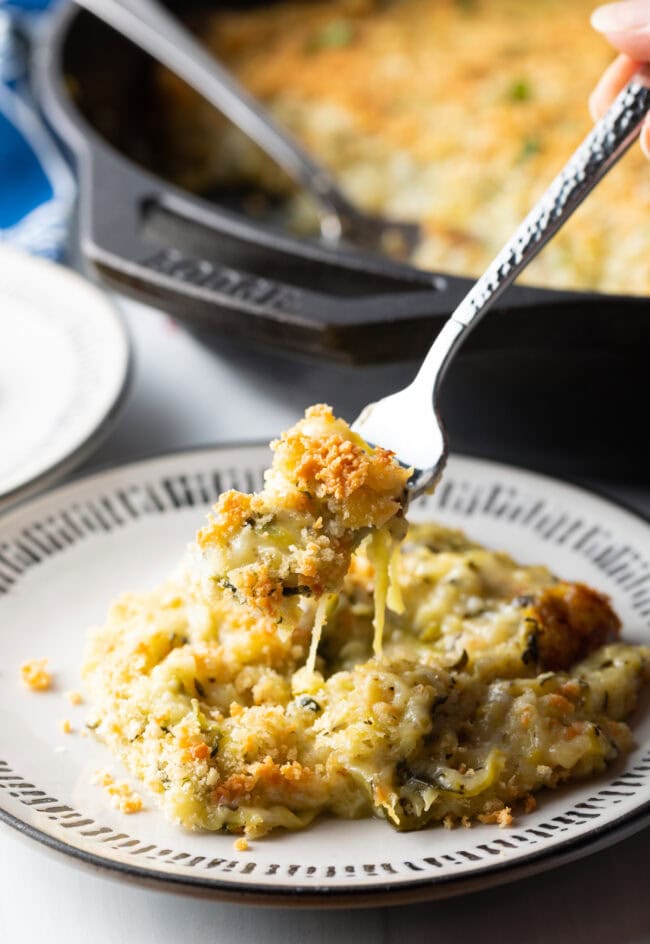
column 439, row 681
column 496, row 680
column 325, row 492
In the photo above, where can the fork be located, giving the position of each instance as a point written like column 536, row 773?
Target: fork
column 147, row 24
column 408, row 422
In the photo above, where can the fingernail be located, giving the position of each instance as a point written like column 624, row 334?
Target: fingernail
column 621, row 17
column 594, row 111
column 645, row 139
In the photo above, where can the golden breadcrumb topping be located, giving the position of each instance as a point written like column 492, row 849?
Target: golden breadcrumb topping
column 476, row 703
column 325, row 492
column 450, row 684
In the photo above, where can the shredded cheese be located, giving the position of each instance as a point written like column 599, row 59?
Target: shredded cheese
column 379, row 556
column 322, row 611
column 383, row 552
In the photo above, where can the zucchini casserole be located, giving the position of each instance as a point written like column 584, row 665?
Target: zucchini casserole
column 313, row 654
column 455, row 114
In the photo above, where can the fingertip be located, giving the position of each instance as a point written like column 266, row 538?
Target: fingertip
column 626, row 25
column 626, row 16
column 602, row 17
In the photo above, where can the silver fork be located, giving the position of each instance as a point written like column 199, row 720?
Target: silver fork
column 408, row 422
column 147, row 24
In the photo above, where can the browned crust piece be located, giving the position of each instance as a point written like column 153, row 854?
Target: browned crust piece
column 571, row 620
column 366, row 486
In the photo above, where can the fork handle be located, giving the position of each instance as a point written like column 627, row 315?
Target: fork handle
column 152, row 28
column 606, row 143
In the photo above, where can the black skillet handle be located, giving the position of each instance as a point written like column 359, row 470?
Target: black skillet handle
column 215, row 270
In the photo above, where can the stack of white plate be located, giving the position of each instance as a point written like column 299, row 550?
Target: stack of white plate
column 64, row 366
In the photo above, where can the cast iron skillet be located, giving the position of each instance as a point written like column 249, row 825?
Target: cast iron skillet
column 216, row 269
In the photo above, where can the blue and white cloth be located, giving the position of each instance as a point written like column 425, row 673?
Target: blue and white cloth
column 37, row 187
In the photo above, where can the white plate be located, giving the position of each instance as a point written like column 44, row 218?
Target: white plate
column 64, row 362
column 64, row 556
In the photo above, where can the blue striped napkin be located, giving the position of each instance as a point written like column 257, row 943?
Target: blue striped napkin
column 37, row 187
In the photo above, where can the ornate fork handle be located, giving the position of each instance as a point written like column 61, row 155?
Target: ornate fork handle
column 601, row 149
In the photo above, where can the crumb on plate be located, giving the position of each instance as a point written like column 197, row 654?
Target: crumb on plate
column 241, row 844
column 35, row 675
column 65, row 726
column 501, row 818
column 122, row 795
column 530, row 803
column 75, row 698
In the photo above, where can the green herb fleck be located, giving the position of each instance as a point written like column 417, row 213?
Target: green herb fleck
column 300, row 591
column 460, row 664
column 335, row 35
column 524, row 599
column 520, row 91
column 306, row 701
column 530, row 146
column 531, row 652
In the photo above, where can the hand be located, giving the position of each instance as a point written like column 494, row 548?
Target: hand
column 627, row 27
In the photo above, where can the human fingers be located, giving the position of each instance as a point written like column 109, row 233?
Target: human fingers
column 613, row 79
column 626, row 26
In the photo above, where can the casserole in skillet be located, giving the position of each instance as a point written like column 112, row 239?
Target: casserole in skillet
column 207, row 262
column 454, row 114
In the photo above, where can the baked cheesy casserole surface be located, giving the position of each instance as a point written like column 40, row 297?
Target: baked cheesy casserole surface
column 487, row 680
column 453, row 113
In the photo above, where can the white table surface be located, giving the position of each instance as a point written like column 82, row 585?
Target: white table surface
column 183, row 394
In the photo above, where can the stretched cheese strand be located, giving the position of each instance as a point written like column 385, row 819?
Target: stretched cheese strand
column 379, row 553
column 395, row 600
column 322, row 612
column 383, row 552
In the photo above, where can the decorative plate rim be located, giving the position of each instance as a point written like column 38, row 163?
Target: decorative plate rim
column 357, row 896
column 354, row 894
